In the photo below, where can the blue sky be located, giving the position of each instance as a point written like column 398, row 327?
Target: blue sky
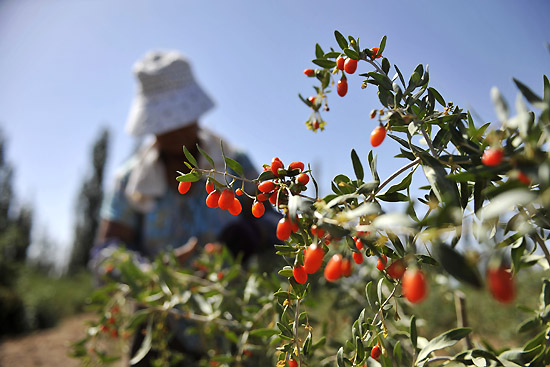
column 65, row 72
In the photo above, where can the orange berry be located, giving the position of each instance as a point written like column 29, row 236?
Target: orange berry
column 258, row 209
column 375, row 352
column 374, row 52
column 309, row 72
column 226, row 199
column 273, row 197
column 302, row 179
column 381, row 264
column 236, row 207
column 266, row 186
column 522, row 177
column 210, row 187
column 239, row 192
column 492, row 157
column 313, row 258
column 183, row 187
column 276, row 165
column 359, row 243
column 340, row 61
column 292, row 363
column 501, row 284
column 316, row 231
column 283, row 229
column 262, row 197
column 414, row 285
column 299, row 274
column 333, row 270
column 396, row 269
column 212, row 199
column 342, row 87
column 346, row 267
column 377, row 136
column 296, row 165
column 350, row 65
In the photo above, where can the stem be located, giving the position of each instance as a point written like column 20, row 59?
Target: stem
column 395, row 174
column 209, row 171
column 296, row 320
column 438, row 359
column 428, row 140
column 461, row 316
column 543, row 247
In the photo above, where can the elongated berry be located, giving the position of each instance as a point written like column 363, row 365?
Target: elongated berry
column 357, row 257
column 226, row 199
column 212, row 199
column 342, row 87
column 283, row 229
column 333, row 270
column 209, row 187
column 309, row 72
column 296, row 165
column 350, row 65
column 313, row 258
column 258, row 209
column 492, row 157
column 501, row 284
column 374, row 52
column 414, row 285
column 377, row 136
column 276, row 165
column 316, row 231
column 381, row 264
column 299, row 274
column 396, row 269
column 266, row 186
column 346, row 267
column 183, row 187
column 375, row 352
column 292, row 363
column 340, row 61
column 236, row 207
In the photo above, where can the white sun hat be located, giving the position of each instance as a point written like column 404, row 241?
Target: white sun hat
column 168, row 95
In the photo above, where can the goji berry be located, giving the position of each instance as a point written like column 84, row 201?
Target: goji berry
column 381, row 264
column 266, row 186
column 299, row 274
column 501, row 284
column 212, row 199
column 262, row 197
column 333, row 270
column 292, row 363
column 183, row 187
column 312, row 99
column 316, row 231
column 273, row 197
column 209, row 187
column 374, row 52
column 302, row 179
column 377, row 136
column 276, row 165
column 258, row 209
column 375, row 352
column 239, row 192
column 340, row 61
column 492, row 157
column 396, row 269
column 226, row 199
column 296, row 165
column 346, row 267
column 522, row 177
column 315, row 125
column 350, row 65
column 342, row 87
column 358, row 243
column 283, row 229
column 309, row 72
column 236, row 207
column 357, row 257
column 313, row 258
column 414, row 285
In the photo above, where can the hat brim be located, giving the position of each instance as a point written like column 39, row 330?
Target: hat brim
column 168, row 110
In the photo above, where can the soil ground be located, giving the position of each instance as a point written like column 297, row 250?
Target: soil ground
column 46, row 348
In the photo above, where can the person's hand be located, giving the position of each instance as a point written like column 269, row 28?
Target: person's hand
column 183, row 253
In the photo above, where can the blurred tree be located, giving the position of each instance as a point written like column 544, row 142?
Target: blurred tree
column 89, row 203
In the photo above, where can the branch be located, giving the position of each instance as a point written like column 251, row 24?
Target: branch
column 395, row 174
column 428, row 140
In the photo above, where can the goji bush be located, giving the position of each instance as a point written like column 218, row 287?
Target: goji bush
column 487, row 185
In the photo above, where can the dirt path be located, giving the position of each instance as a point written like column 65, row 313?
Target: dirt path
column 45, row 348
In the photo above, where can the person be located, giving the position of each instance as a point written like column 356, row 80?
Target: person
column 144, row 211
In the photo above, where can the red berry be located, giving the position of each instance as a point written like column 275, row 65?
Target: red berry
column 396, row 269
column 333, row 270
column 316, row 231
column 294, row 225
column 212, row 199
column 226, row 199
column 375, row 352
column 312, row 99
column 302, row 179
column 309, row 72
column 357, row 257
column 266, row 186
column 313, row 258
column 522, row 177
column 342, row 87
column 220, row 275
column 258, row 209
column 273, row 197
column 209, row 187
column 501, row 284
column 346, row 267
column 283, row 229
column 315, row 125
column 296, row 165
column 239, row 192
column 414, row 285
column 183, row 187
column 350, row 65
column 292, row 363
column 300, row 274
column 492, row 157
column 262, row 197
column 381, row 264
column 275, row 166
column 374, row 52
column 236, row 207
column 358, row 243
column 377, row 136
column 340, row 61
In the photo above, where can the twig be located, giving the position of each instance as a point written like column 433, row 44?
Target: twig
column 395, row 174
column 461, row 316
column 296, row 320
column 438, row 359
column 428, row 140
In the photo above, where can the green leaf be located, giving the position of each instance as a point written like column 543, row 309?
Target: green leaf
column 437, row 96
column 444, row 189
column 412, row 331
column 456, row 265
column 400, row 75
column 392, row 197
column 340, row 357
column 324, row 63
column 507, row 201
column 342, row 42
column 352, row 54
column 192, row 176
column 263, row 332
column 444, row 340
column 382, row 45
column 521, row 357
column 382, row 80
column 145, row 345
column 206, row 156
column 527, row 93
column 319, row 51
column 235, row 166
column 372, row 164
column 357, row 166
column 286, row 271
column 190, row 157
column 404, row 184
